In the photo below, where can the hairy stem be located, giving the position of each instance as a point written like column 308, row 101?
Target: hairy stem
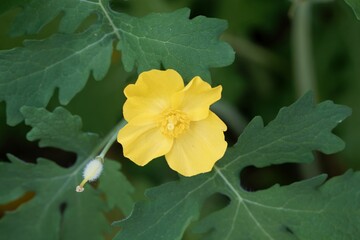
column 104, row 146
column 111, row 138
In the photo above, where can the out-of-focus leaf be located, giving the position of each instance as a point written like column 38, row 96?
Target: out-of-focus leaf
column 355, row 5
column 246, row 16
column 290, row 212
column 7, row 4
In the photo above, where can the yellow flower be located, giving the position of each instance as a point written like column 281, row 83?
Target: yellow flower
column 167, row 118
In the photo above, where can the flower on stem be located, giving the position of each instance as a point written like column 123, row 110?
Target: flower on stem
column 91, row 172
column 167, row 118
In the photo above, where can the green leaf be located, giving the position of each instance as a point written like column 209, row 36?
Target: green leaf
column 55, row 129
column 57, row 211
column 30, row 74
column 37, row 13
column 355, row 5
column 41, row 217
column 117, row 187
column 303, row 210
column 173, row 41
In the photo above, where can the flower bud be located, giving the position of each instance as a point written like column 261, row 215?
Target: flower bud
column 91, row 172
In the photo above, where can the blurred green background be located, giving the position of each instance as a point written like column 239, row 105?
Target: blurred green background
column 270, row 39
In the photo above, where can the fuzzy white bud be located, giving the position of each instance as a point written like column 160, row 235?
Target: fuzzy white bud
column 93, row 170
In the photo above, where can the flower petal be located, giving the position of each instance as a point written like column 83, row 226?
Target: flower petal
column 143, row 143
column 151, row 94
column 195, row 99
column 197, row 150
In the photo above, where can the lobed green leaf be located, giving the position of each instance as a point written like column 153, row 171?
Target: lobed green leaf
column 173, row 41
column 37, row 13
column 46, row 128
column 30, row 74
column 303, row 210
column 117, row 187
column 56, row 211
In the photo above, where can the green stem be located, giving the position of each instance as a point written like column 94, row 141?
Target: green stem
column 111, row 138
column 104, row 146
column 302, row 47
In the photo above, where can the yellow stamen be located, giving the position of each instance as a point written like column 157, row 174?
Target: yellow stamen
column 173, row 123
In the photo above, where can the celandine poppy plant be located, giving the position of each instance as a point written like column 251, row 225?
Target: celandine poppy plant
column 167, row 118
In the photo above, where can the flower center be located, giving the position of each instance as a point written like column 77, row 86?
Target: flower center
column 173, row 123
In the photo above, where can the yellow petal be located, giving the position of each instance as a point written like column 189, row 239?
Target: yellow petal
column 151, row 94
column 197, row 150
column 143, row 143
column 195, row 99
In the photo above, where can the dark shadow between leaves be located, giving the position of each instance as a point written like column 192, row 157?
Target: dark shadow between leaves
column 253, row 179
column 29, row 151
column 214, row 203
